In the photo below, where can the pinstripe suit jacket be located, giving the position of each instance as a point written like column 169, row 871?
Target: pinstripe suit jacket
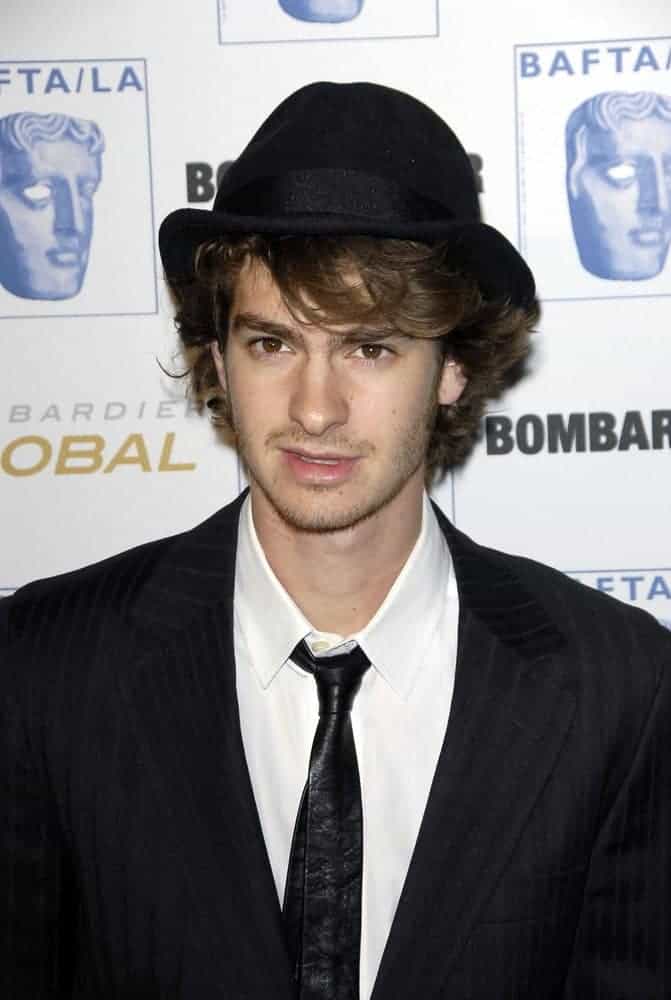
column 133, row 863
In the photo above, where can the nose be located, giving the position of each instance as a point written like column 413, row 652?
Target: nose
column 69, row 211
column 318, row 402
column 655, row 196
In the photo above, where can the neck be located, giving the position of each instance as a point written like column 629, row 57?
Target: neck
column 339, row 579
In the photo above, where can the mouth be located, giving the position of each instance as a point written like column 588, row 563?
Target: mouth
column 326, row 459
column 64, row 258
column 650, row 236
column 319, row 468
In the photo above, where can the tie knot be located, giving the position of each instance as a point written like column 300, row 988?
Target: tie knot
column 338, row 677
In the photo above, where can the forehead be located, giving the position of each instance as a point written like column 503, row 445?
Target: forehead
column 641, row 136
column 257, row 291
column 255, row 285
column 62, row 157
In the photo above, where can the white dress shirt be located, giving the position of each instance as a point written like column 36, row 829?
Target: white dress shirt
column 398, row 719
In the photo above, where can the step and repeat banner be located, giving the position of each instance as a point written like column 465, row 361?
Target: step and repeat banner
column 113, row 115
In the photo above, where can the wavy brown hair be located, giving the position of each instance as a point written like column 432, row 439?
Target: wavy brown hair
column 390, row 284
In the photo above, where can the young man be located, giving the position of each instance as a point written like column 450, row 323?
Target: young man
column 324, row 745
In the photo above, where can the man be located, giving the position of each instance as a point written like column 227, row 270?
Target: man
column 229, row 765
column 50, row 168
column 618, row 149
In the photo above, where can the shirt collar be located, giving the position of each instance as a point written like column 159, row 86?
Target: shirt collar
column 396, row 638
column 270, row 622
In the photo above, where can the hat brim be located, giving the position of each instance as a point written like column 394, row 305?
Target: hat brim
column 476, row 248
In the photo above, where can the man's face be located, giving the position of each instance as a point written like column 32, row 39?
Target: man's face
column 46, row 217
column 620, row 193
column 332, row 425
column 323, row 11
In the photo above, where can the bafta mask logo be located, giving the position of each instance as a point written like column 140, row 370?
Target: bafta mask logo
column 50, row 169
column 618, row 178
column 322, row 11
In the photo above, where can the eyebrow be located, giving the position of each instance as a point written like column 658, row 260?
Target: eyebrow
column 271, row 328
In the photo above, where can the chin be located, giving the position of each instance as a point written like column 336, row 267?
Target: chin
column 317, row 515
column 322, row 522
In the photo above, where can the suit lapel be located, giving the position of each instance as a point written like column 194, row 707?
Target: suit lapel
column 183, row 696
column 510, row 713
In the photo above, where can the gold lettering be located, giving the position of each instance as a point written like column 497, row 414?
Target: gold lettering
column 79, row 454
column 6, row 459
column 165, row 463
column 133, row 451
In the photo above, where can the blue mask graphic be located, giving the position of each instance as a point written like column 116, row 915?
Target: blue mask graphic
column 618, row 180
column 322, row 11
column 49, row 171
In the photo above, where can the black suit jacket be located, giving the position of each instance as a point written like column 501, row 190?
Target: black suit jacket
column 133, row 863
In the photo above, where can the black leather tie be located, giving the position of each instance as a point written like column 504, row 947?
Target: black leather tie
column 322, row 901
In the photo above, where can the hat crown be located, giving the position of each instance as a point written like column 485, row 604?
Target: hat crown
column 354, row 159
column 365, row 129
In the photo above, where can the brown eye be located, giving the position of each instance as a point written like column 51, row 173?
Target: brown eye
column 373, row 352
column 266, row 345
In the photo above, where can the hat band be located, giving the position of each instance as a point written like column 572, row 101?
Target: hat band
column 344, row 192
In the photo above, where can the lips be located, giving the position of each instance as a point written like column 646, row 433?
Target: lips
column 321, row 459
column 651, row 236
column 316, row 468
column 64, row 258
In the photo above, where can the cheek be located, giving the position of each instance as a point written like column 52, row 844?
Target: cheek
column 609, row 204
column 256, row 406
column 34, row 229
column 87, row 213
column 394, row 410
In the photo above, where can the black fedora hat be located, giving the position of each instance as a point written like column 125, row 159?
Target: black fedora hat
column 354, row 159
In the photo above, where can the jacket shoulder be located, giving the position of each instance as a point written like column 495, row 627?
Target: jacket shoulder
column 569, row 592
column 517, row 583
column 160, row 579
column 588, row 617
column 109, row 585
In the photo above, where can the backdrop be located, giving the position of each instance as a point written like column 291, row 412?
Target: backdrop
column 111, row 115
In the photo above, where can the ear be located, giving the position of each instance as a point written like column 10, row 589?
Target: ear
column 452, row 383
column 219, row 364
